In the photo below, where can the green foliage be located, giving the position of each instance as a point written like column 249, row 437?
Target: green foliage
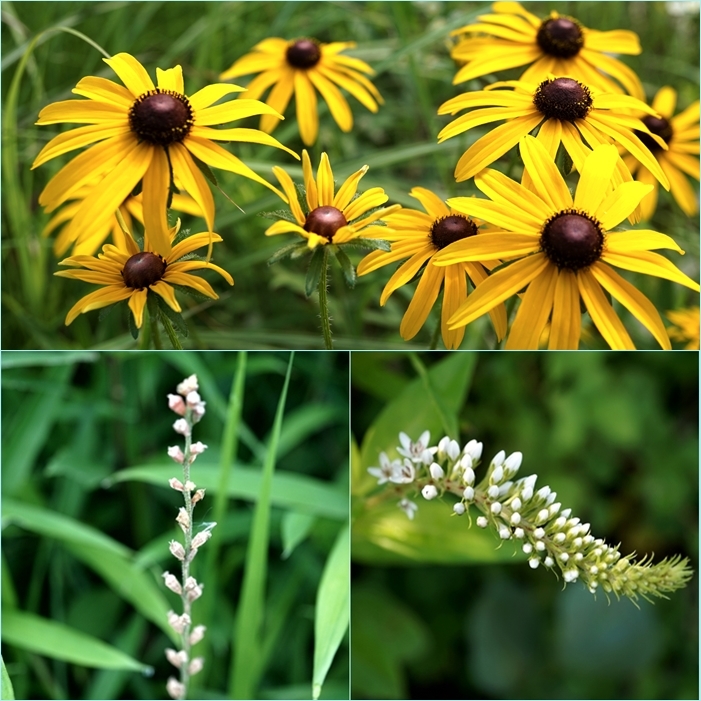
column 87, row 516
column 616, row 435
column 406, row 44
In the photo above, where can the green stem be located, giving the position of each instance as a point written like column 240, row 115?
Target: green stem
column 324, row 302
column 145, row 334
column 170, row 330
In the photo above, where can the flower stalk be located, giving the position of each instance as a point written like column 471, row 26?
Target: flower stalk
column 188, row 404
column 324, row 302
column 517, row 511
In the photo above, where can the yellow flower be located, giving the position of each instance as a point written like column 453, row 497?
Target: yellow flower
column 562, row 250
column 331, row 219
column 145, row 132
column 419, row 236
column 568, row 112
column 681, row 134
column 559, row 44
column 126, row 272
column 131, row 207
column 301, row 66
column 686, row 327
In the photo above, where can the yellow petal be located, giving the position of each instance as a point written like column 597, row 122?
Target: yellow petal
column 374, row 197
column 324, row 182
column 649, row 263
column 83, row 112
column 251, row 136
column 98, row 299
column 406, row 272
column 621, row 203
column 137, row 302
column 338, row 106
column 131, row 73
column 433, row 204
column 534, row 311
column 488, row 247
column 505, row 191
column 305, row 101
column 104, row 90
column 289, row 188
column 347, row 191
column 165, row 291
column 352, row 86
column 193, row 181
column 565, row 327
column 234, row 109
column 639, row 240
column 547, row 181
column 83, row 136
column 210, row 94
column 496, row 213
column 171, row 79
column 309, row 183
column 422, row 302
column 278, row 99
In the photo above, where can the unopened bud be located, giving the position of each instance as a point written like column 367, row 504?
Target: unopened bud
column 201, row 538
column 197, row 634
column 177, row 549
column 436, row 471
column 198, row 495
column 177, row 659
column 176, row 484
column 177, row 454
column 175, row 689
column 182, row 427
column 176, row 404
column 172, row 582
column 183, row 519
column 189, row 384
column 429, row 492
column 196, row 665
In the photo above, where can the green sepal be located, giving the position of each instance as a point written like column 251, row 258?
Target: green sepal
column 302, row 197
column 347, row 267
column 292, row 250
column 369, row 244
column 176, row 318
column 318, row 260
column 180, row 236
column 279, row 214
column 133, row 329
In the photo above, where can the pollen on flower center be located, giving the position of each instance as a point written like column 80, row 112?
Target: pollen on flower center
column 303, row 53
column 658, row 126
column 561, row 37
column 161, row 117
column 563, row 98
column 449, row 229
column 143, row 269
column 325, row 221
column 572, row 240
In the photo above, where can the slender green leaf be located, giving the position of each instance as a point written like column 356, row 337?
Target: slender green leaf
column 332, row 609
column 61, row 642
column 247, row 642
column 316, row 264
column 20, row 359
column 289, row 490
column 295, row 528
column 7, row 691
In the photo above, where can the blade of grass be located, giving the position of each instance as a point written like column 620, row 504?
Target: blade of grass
column 246, row 643
column 7, row 691
column 61, row 642
column 332, row 609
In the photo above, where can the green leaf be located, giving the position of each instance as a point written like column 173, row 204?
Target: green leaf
column 316, row 263
column 292, row 250
column 61, row 642
column 284, row 214
column 295, row 528
column 332, row 609
column 368, row 244
column 21, row 359
column 7, row 691
column 289, row 490
column 247, row 642
column 175, row 317
column 346, row 266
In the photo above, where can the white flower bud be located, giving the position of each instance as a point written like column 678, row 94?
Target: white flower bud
column 177, row 454
column 197, row 448
column 498, row 459
column 504, row 532
column 493, row 492
column 177, row 659
column 516, row 504
column 197, row 634
column 178, row 623
column 436, row 471
column 559, row 537
column 577, row 543
column 193, row 399
column 182, row 427
column 539, row 533
column 189, row 384
column 466, row 461
column 176, row 404
column 551, row 498
column 543, row 492
column 172, row 582
column 459, row 508
column 542, row 516
column 183, row 519
column 564, row 557
column 469, row 493
column 559, row 522
column 429, row 492
column 497, row 475
column 201, row 538
column 578, row 557
column 482, row 521
column 540, row 546
column 566, row 513
column 176, row 484
column 570, row 575
column 175, row 689
column 594, row 569
column 469, row 476
column 189, row 486
column 548, row 562
column 515, row 518
column 495, row 508
column 453, row 450
column 554, row 508
column 534, row 562
column 474, row 450
column 519, row 533
column 513, row 462
column 196, row 665
column 527, row 548
column 177, row 550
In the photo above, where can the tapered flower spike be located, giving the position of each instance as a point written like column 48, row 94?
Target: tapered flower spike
column 515, row 510
column 189, row 405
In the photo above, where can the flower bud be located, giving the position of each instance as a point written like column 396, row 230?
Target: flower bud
column 176, row 404
column 469, row 476
column 429, row 492
column 197, row 448
column 519, row 533
column 516, row 504
column 497, row 475
column 515, row 518
column 197, row 634
column 534, row 562
column 469, row 493
column 459, row 508
column 504, row 532
column 474, row 450
column 176, row 484
column 175, row 689
column 498, row 459
column 198, row 495
column 182, row 427
column 201, row 538
column 493, row 492
column 548, row 562
column 436, row 471
column 177, row 550
column 513, row 462
column 189, row 384
column 193, row 399
column 172, row 582
column 178, row 623
column 177, row 659
column 495, row 508
column 482, row 521
column 183, row 519
column 196, row 665
column 177, row 454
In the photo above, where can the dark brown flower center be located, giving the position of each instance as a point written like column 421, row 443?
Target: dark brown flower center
column 572, row 240
column 325, row 221
column 451, row 229
column 303, row 53
column 659, row 126
column 563, row 98
column 143, row 269
column 161, row 117
column 561, row 37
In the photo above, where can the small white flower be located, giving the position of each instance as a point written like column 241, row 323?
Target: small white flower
column 197, row 634
column 189, row 384
column 594, row 569
column 403, row 473
column 193, row 399
column 519, row 533
column 177, row 454
column 539, row 533
column 409, row 508
column 497, row 475
column 182, row 427
column 516, row 504
column 177, row 659
column 493, row 491
column 419, row 451
column 564, row 557
column 570, row 575
column 542, row 516
column 172, row 582
column 429, row 492
column 459, row 508
column 176, row 404
column 469, row 493
column 183, row 519
column 197, row 448
column 482, row 521
column 554, row 508
column 559, row 522
column 466, row 461
column 384, row 472
column 533, row 562
column 543, row 492
column 201, row 538
column 436, row 471
column 548, row 562
column 495, row 508
column 504, row 532
column 197, row 496
column 196, row 665
column 443, row 447
column 177, row 549
column 176, row 484
column 515, row 518
column 189, row 486
column 559, row 537
column 453, row 450
column 540, row 546
column 178, row 623
column 527, row 548
column 175, row 689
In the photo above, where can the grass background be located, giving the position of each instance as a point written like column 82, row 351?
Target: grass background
column 72, row 420
column 406, row 43
column 616, row 436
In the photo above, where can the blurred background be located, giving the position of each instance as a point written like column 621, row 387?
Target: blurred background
column 408, row 46
column 616, row 436
column 75, row 425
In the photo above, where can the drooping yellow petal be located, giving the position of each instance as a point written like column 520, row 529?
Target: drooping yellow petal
column 406, row 271
column 400, row 250
column 681, row 190
column 338, row 105
column 454, row 294
column 185, row 170
column 422, row 302
column 137, row 302
column 621, row 203
column 192, row 281
column 278, row 99
column 602, row 313
column 131, row 73
column 649, row 263
column 534, row 311
column 166, row 292
column 305, row 102
column 284, row 227
column 497, row 314
column 478, row 118
column 156, row 184
column 352, row 86
column 253, row 63
column 613, row 67
column 685, row 163
column 232, row 110
column 546, row 178
column 639, row 240
column 550, row 135
column 289, row 188
column 617, row 41
column 251, row 136
column 187, row 265
column 565, row 327
column 98, row 299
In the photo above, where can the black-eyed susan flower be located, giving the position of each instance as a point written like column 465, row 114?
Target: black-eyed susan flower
column 568, row 112
column 562, row 250
column 132, row 207
column 418, row 236
column 303, row 66
column 513, row 37
column 130, row 273
column 686, row 327
column 329, row 221
column 681, row 134
column 145, row 133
